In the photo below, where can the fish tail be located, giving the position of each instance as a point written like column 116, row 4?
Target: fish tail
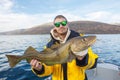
column 13, row 60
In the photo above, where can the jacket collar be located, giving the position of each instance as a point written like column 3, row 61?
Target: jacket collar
column 58, row 38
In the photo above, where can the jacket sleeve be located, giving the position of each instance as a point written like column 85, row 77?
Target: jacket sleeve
column 45, row 71
column 89, row 61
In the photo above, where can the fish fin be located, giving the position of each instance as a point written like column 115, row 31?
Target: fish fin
column 13, row 60
column 47, row 50
column 52, row 48
column 71, row 57
column 28, row 60
column 31, row 50
column 55, row 46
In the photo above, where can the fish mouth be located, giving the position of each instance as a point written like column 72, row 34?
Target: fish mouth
column 92, row 41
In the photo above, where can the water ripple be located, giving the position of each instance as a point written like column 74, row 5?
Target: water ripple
column 107, row 47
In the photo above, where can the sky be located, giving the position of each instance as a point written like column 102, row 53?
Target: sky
column 23, row 14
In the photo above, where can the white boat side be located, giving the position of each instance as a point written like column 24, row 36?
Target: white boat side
column 104, row 71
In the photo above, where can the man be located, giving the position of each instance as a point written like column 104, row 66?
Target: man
column 74, row 70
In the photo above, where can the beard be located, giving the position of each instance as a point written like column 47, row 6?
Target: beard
column 61, row 33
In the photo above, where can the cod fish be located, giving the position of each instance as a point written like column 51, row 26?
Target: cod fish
column 55, row 54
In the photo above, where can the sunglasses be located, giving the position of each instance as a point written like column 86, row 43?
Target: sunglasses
column 63, row 23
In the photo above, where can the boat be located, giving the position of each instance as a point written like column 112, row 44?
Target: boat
column 104, row 71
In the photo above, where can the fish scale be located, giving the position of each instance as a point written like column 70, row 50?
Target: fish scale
column 56, row 54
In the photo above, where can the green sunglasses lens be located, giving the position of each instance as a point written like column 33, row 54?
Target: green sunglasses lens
column 57, row 24
column 64, row 23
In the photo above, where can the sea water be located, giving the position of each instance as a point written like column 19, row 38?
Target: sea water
column 107, row 47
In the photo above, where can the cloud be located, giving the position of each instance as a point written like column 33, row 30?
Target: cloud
column 14, row 21
column 103, row 16
column 115, row 19
column 98, row 16
column 11, row 21
column 6, row 5
column 17, row 21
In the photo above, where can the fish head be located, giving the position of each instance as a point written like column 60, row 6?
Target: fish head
column 79, row 44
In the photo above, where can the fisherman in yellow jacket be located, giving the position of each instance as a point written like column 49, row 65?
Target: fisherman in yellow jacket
column 74, row 70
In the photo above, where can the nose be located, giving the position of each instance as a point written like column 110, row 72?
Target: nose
column 61, row 25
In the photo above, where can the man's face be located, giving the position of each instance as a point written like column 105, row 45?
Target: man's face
column 61, row 29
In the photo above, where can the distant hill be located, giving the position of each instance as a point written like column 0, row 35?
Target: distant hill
column 117, row 24
column 88, row 27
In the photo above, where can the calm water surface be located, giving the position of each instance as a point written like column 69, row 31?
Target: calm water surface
column 106, row 46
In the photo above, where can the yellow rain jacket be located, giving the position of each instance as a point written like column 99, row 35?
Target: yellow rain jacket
column 74, row 70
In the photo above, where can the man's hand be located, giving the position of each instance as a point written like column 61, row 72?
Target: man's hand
column 36, row 64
